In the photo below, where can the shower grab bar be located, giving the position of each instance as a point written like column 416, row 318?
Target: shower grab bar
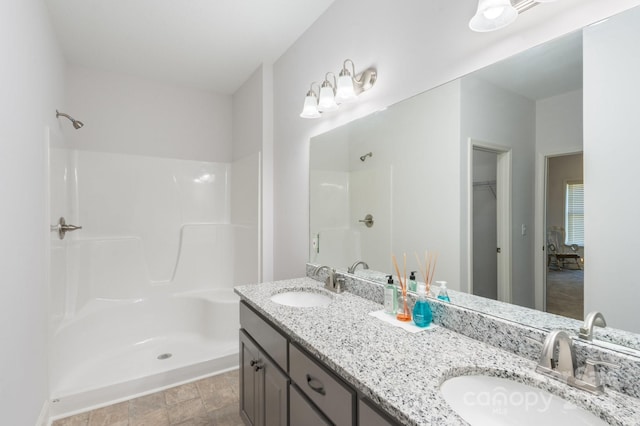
column 62, row 228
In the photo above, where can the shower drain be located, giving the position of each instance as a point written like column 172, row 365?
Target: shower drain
column 164, row 356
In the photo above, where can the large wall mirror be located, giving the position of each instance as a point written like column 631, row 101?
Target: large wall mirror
column 506, row 173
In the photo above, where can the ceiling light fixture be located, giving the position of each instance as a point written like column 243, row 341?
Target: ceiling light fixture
column 344, row 89
column 495, row 14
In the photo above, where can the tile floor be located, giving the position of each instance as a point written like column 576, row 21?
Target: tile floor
column 208, row 402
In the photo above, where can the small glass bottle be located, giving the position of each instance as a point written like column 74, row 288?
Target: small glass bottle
column 412, row 281
column 443, row 294
column 422, row 315
column 404, row 313
column 390, row 296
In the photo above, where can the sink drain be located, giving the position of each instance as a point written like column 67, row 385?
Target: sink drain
column 164, row 356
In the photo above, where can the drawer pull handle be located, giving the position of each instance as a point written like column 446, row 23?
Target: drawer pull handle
column 316, row 388
column 253, row 362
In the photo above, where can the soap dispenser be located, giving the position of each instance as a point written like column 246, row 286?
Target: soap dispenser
column 443, row 294
column 390, row 296
column 412, row 281
column 422, row 315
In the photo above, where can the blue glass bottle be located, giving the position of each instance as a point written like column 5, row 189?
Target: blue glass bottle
column 422, row 315
column 443, row 294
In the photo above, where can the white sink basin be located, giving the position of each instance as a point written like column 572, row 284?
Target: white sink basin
column 493, row 401
column 301, row 299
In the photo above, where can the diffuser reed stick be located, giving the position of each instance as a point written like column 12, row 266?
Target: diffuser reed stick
column 429, row 269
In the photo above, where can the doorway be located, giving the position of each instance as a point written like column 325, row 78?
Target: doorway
column 490, row 221
column 485, row 224
column 564, row 235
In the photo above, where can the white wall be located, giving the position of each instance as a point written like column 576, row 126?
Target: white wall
column 33, row 81
column 499, row 117
column 420, row 138
column 130, row 115
column 559, row 123
column 410, row 184
column 245, row 216
column 247, row 117
column 611, row 172
column 414, row 47
column 246, row 181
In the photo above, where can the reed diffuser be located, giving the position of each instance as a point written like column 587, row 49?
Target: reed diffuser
column 404, row 314
column 429, row 269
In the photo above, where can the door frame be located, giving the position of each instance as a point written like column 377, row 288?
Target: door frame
column 540, row 222
column 504, row 214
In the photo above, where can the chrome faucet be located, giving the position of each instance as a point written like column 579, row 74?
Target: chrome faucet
column 333, row 282
column 561, row 362
column 353, row 267
column 592, row 318
column 558, row 361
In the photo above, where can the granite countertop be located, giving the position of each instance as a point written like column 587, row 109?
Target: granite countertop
column 402, row 371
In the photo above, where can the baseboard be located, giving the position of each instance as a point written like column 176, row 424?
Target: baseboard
column 43, row 418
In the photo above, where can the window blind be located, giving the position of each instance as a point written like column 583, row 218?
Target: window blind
column 574, row 213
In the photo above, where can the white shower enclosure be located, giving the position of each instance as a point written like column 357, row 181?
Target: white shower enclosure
column 142, row 296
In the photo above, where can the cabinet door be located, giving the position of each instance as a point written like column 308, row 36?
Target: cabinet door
column 302, row 412
column 368, row 416
column 250, row 383
column 275, row 401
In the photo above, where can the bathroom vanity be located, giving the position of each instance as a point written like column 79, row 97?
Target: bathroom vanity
column 273, row 366
column 336, row 364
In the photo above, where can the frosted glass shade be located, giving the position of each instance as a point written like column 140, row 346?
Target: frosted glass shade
column 327, row 100
column 345, row 91
column 493, row 15
column 310, row 108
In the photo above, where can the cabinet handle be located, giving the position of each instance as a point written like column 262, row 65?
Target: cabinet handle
column 253, row 362
column 258, row 367
column 316, row 388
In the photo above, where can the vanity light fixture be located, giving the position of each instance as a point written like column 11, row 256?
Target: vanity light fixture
column 310, row 108
column 344, row 89
column 327, row 100
column 495, row 14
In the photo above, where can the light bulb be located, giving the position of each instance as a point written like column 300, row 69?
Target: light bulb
column 493, row 15
column 493, row 12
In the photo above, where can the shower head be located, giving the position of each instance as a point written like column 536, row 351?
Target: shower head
column 77, row 124
column 364, row 157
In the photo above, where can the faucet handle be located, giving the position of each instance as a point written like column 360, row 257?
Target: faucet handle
column 591, row 373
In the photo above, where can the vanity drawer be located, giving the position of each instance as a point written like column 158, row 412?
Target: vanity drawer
column 332, row 397
column 273, row 343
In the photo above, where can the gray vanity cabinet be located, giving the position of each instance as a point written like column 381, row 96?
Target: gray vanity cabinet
column 263, row 387
column 281, row 384
column 369, row 416
column 302, row 412
column 328, row 393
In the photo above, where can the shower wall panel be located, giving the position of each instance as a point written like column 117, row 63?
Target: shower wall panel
column 149, row 225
